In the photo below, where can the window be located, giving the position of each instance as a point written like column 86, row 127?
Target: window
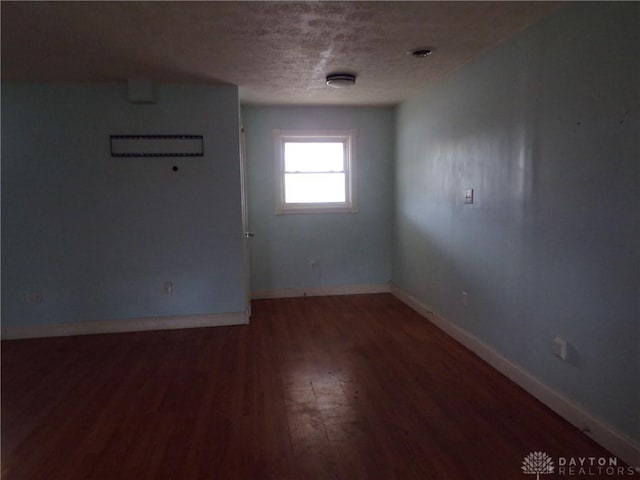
column 315, row 172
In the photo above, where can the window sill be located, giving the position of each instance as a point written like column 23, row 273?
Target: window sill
column 303, row 209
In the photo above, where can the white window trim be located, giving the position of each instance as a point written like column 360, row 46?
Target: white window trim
column 347, row 136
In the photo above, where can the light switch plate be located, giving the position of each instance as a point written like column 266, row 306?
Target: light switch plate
column 468, row 196
column 559, row 347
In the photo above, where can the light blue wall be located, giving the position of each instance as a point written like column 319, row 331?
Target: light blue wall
column 98, row 236
column 545, row 129
column 350, row 248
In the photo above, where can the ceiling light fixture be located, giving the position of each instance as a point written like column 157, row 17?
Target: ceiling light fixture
column 341, row 80
column 420, row 52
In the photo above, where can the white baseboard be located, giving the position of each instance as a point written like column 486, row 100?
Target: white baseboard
column 609, row 437
column 124, row 325
column 321, row 291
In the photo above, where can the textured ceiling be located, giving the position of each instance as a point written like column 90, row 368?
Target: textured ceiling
column 276, row 52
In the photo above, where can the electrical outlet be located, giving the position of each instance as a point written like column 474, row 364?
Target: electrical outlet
column 167, row 288
column 313, row 263
column 465, row 299
column 468, row 196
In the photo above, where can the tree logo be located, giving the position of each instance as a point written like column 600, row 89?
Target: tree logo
column 537, row 463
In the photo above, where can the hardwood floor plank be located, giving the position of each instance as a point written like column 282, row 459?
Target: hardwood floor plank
column 353, row 387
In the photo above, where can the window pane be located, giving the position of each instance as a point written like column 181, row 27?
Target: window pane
column 313, row 157
column 314, row 187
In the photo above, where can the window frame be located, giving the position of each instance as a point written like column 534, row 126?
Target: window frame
column 347, row 138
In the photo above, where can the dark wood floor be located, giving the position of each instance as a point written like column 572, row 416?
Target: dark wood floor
column 346, row 388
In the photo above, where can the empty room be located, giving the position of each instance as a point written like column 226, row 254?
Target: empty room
column 320, row 240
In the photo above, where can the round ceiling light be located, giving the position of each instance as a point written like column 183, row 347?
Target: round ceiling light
column 341, row 80
column 420, row 52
